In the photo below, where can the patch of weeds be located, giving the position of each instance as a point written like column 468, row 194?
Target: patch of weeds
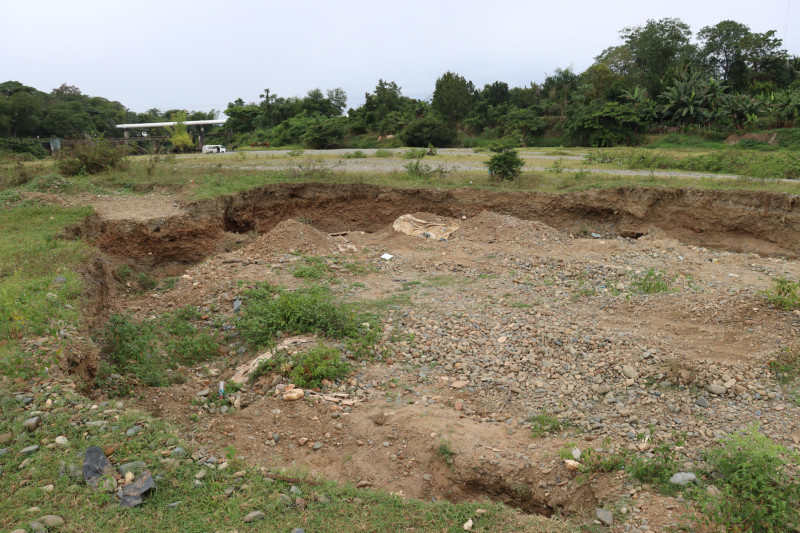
column 124, row 272
column 758, row 491
column 652, row 282
column 658, row 469
column 786, row 365
column 383, row 153
column 147, row 282
column 557, row 168
column 269, row 310
column 358, row 154
column 446, row 452
column 415, row 153
column 307, row 271
column 545, row 423
column 784, row 294
column 168, row 284
column 295, row 153
column 307, row 369
column 151, row 349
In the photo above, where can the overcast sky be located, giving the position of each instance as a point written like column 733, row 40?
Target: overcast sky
column 200, row 54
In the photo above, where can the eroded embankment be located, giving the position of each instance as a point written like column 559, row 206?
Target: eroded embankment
column 761, row 222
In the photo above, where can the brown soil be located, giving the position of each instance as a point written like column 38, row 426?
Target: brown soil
column 392, row 439
column 761, row 222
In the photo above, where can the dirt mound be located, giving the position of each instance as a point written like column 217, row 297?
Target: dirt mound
column 293, row 236
column 491, row 227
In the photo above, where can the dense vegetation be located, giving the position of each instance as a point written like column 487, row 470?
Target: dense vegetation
column 660, row 78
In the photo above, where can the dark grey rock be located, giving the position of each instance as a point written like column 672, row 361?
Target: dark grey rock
column 132, row 493
column 702, row 402
column 95, row 466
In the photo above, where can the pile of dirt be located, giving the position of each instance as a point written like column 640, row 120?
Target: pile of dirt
column 491, row 227
column 294, row 237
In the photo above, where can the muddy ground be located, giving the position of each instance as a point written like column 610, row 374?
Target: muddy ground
column 531, row 306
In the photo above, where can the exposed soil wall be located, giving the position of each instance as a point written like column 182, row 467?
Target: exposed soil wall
column 761, row 222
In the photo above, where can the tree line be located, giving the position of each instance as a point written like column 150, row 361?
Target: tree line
column 661, row 76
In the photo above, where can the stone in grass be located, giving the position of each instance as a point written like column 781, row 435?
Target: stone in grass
column 51, row 520
column 604, row 516
column 683, row 478
column 32, row 424
column 95, row 466
column 29, row 450
column 254, row 516
column 37, row 527
column 132, row 494
column 134, row 466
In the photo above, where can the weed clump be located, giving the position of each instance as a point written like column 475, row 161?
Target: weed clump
column 150, row 350
column 269, row 311
column 309, row 368
column 784, row 294
column 757, row 491
column 652, row 282
column 92, row 158
column 545, row 423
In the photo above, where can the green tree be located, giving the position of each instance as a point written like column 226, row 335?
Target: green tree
column 428, row 130
column 521, row 123
column 179, row 136
column 603, row 124
column 67, row 119
column 26, row 112
column 722, row 47
column 453, row 97
column 658, row 50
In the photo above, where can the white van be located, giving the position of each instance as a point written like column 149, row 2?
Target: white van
column 214, row 149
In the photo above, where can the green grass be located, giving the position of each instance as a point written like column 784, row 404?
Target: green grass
column 331, row 506
column 40, row 285
column 783, row 164
column 268, row 311
column 148, row 351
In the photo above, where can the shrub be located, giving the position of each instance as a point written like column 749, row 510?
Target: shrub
column 415, row 153
column 428, row 130
column 91, row 158
column 383, row 153
column 611, row 125
column 23, row 146
column 505, row 164
column 757, row 492
column 358, row 154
